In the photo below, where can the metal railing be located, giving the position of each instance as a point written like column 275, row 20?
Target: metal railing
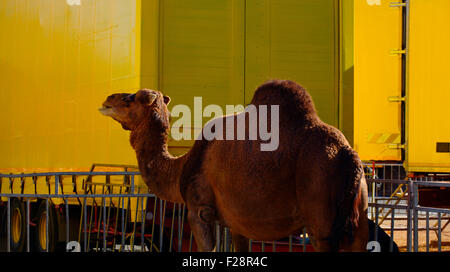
column 107, row 211
column 403, row 217
column 103, row 211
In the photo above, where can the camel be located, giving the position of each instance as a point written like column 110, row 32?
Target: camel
column 313, row 180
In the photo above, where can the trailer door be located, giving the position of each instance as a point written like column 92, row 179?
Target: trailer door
column 296, row 40
column 428, row 123
column 201, row 55
column 378, row 80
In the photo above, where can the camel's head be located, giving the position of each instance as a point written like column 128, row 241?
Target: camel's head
column 131, row 110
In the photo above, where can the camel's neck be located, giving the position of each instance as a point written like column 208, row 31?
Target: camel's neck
column 160, row 170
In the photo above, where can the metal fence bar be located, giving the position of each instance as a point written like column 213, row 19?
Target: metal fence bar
column 8, row 226
column 389, row 206
column 416, row 217
column 387, row 181
column 376, row 222
column 135, row 222
column 67, row 220
column 162, row 217
column 428, row 231
column 132, row 184
column 439, row 233
column 94, row 205
column 104, row 225
column 434, row 210
column 373, row 199
column 153, row 224
column 143, row 218
column 217, row 237
column 85, row 225
column 100, row 219
column 181, row 226
column 391, row 243
column 190, row 241
column 226, row 242
column 116, row 223
column 432, row 184
column 28, row 225
column 122, row 244
column 108, row 217
column 127, row 215
column 46, row 225
column 410, row 201
column 56, row 184
column 174, row 209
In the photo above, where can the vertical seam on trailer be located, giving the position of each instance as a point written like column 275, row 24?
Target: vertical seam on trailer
column 160, row 44
column 338, row 59
column 245, row 52
column 405, row 80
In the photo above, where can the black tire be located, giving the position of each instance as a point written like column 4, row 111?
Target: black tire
column 18, row 225
column 40, row 238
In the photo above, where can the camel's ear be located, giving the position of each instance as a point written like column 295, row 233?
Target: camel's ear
column 146, row 97
column 166, row 100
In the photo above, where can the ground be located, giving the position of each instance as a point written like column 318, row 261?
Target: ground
column 400, row 236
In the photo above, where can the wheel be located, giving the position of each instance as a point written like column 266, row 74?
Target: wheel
column 41, row 231
column 18, row 225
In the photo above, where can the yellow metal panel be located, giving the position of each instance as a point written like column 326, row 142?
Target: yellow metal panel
column 296, row 40
column 150, row 42
column 58, row 63
column 202, row 54
column 429, row 86
column 377, row 122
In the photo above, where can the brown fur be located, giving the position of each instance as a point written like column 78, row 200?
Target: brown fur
column 314, row 180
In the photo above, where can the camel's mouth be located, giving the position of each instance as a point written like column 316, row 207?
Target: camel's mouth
column 106, row 110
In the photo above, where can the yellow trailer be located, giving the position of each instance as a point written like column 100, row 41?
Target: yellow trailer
column 58, row 61
column 402, row 84
column 61, row 58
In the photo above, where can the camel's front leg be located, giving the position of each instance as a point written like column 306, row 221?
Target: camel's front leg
column 203, row 232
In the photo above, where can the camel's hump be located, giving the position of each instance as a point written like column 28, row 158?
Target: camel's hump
column 290, row 96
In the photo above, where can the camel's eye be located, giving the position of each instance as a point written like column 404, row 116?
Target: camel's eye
column 129, row 98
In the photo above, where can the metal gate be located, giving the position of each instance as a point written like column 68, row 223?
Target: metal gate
column 394, row 205
column 81, row 213
column 132, row 219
